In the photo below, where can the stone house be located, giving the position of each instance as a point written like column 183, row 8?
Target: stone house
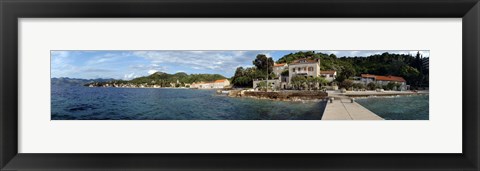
column 304, row 67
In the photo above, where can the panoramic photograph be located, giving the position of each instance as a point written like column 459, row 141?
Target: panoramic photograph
column 239, row 85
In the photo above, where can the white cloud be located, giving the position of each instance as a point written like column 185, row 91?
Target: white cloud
column 152, row 71
column 147, row 68
column 107, row 58
column 61, row 65
column 218, row 61
column 130, row 76
column 61, row 54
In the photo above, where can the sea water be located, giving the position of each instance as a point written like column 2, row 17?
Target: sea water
column 412, row 107
column 99, row 103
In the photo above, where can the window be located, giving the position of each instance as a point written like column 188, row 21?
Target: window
column 310, row 68
column 293, row 69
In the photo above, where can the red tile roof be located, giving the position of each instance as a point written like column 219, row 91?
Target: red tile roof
column 220, row 81
column 390, row 78
column 299, row 61
column 279, row 65
column 384, row 78
column 327, row 72
column 368, row 76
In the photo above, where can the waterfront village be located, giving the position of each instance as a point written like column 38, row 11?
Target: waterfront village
column 341, row 103
column 307, row 68
column 299, row 73
column 301, row 79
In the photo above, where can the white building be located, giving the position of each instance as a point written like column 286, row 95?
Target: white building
column 221, row 83
column 329, row 75
column 279, row 68
column 384, row 80
column 300, row 67
column 217, row 84
column 304, row 67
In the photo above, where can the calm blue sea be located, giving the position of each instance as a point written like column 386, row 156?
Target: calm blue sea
column 413, row 107
column 96, row 103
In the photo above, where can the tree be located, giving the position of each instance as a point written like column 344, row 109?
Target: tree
column 391, row 86
column 298, row 82
column 333, row 56
column 346, row 73
column 285, row 72
column 418, row 61
column 311, row 82
column 244, row 77
column 347, row 84
column 272, row 75
column 371, row 86
column 398, row 86
column 263, row 86
column 358, row 86
column 239, row 72
column 239, row 78
column 411, row 74
column 320, row 82
column 263, row 63
column 242, row 81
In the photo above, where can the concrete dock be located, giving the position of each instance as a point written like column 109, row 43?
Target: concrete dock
column 344, row 109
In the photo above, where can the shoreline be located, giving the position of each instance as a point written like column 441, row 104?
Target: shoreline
column 314, row 96
column 317, row 96
column 295, row 95
column 368, row 94
column 289, row 100
column 153, row 88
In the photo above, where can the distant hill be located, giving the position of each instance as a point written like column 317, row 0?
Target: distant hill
column 163, row 79
column 65, row 81
column 172, row 78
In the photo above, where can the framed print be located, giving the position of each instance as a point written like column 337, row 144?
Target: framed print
column 264, row 85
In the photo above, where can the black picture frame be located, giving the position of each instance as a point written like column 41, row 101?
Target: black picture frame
column 11, row 10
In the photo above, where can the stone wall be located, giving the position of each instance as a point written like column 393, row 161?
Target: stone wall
column 286, row 95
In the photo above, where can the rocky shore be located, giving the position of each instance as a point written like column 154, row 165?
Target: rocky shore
column 353, row 94
column 291, row 95
column 281, row 95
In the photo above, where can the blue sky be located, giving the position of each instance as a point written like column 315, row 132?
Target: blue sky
column 131, row 64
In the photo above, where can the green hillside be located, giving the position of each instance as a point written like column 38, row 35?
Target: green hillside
column 164, row 79
column 413, row 68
